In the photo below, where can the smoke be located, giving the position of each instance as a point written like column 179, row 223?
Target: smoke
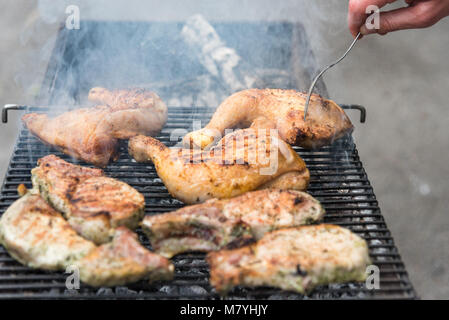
column 134, row 54
column 328, row 11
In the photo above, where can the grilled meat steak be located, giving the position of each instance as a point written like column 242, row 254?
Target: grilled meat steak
column 217, row 223
column 91, row 134
column 242, row 161
column 123, row 260
column 280, row 109
column 92, row 203
column 296, row 259
column 39, row 237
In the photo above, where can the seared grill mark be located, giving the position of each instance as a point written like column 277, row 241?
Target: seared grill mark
column 299, row 135
column 203, row 233
column 240, row 242
column 100, row 213
column 299, row 271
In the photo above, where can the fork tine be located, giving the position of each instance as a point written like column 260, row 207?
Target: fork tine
column 324, row 70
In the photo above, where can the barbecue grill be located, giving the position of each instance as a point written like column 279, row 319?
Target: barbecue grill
column 338, row 178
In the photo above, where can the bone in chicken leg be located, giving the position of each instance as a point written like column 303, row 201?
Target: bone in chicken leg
column 235, row 166
column 280, row 109
column 91, row 134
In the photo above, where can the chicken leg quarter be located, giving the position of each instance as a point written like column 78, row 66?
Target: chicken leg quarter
column 279, row 109
column 91, row 134
column 234, row 166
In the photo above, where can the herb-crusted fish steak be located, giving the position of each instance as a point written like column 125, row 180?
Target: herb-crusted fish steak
column 123, row 260
column 91, row 202
column 217, row 223
column 296, row 259
column 39, row 237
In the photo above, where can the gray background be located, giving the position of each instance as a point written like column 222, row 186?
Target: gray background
column 401, row 78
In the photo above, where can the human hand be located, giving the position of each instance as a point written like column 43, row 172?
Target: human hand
column 418, row 14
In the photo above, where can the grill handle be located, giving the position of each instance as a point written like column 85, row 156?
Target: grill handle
column 8, row 107
column 356, row 107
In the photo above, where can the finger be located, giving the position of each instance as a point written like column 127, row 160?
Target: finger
column 357, row 12
column 399, row 19
column 413, row 2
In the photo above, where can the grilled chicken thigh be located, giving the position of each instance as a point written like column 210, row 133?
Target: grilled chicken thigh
column 92, row 203
column 91, row 134
column 243, row 161
column 296, row 259
column 280, row 109
column 39, row 237
column 217, row 223
column 123, row 260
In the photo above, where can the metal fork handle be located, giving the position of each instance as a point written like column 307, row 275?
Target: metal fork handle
column 8, row 107
column 312, row 86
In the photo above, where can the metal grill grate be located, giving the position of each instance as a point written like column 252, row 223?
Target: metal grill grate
column 338, row 180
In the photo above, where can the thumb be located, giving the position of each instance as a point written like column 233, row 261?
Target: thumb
column 399, row 19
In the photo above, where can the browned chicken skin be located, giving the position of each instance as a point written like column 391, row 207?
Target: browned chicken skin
column 92, row 203
column 242, row 161
column 91, row 134
column 280, row 109
column 133, row 111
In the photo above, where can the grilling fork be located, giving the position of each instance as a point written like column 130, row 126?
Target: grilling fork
column 324, row 70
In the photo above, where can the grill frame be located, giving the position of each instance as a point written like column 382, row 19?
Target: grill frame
column 338, row 180
column 355, row 206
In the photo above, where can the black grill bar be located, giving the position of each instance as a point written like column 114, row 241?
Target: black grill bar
column 338, row 180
